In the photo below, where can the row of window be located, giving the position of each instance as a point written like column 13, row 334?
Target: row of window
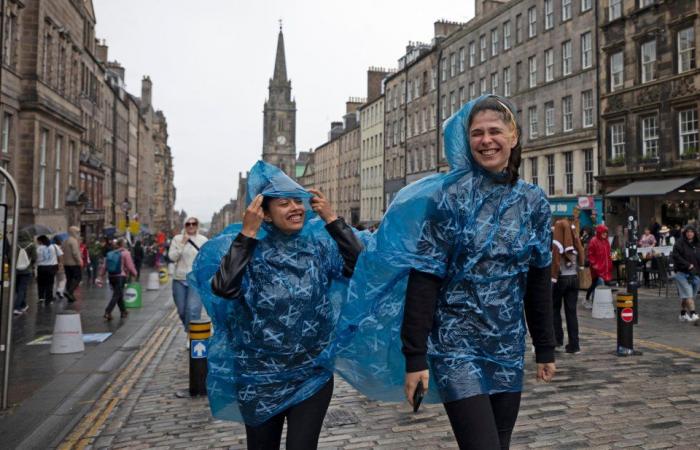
column 371, row 208
column 421, row 159
column 685, row 59
column 549, row 185
column 567, row 115
column 650, row 137
column 457, row 60
column 615, row 7
column 58, row 167
column 372, row 146
column 372, row 176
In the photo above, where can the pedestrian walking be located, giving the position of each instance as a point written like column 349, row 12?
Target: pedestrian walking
column 47, row 261
column 84, row 259
column 686, row 263
column 279, row 276
column 26, row 258
column 72, row 262
column 567, row 260
column 599, row 260
column 118, row 265
column 183, row 249
column 96, row 256
column 138, row 255
column 59, row 285
column 461, row 261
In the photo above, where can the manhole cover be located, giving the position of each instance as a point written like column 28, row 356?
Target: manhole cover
column 337, row 417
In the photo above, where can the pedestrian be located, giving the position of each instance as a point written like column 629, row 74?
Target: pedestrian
column 26, row 258
column 686, row 263
column 647, row 239
column 47, row 262
column 655, row 229
column 666, row 238
column 84, row 259
column 599, row 260
column 676, row 232
column 59, row 285
column 72, row 262
column 118, row 265
column 96, row 256
column 138, row 254
column 278, row 277
column 183, row 249
column 567, row 260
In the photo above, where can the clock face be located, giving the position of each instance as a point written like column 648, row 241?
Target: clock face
column 281, row 140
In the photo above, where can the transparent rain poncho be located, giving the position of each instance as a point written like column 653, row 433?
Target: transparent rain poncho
column 480, row 236
column 273, row 348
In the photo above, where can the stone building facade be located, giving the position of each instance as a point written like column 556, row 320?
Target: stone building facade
column 650, row 95
column 541, row 55
column 372, row 149
column 71, row 134
column 348, row 205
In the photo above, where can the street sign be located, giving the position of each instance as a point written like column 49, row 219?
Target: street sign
column 627, row 314
column 198, row 348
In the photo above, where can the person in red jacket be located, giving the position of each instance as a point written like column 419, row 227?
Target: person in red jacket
column 599, row 259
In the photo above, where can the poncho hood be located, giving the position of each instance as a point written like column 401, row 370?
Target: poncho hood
column 270, row 181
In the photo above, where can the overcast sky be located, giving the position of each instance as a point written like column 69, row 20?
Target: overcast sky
column 210, row 63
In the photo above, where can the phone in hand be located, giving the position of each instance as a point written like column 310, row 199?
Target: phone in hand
column 418, row 395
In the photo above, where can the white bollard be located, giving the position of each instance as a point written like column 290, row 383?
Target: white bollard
column 153, row 283
column 603, row 307
column 67, row 334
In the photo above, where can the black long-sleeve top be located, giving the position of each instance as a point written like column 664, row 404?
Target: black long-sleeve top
column 421, row 300
column 226, row 282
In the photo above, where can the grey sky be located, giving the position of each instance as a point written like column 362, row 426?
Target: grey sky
column 210, row 63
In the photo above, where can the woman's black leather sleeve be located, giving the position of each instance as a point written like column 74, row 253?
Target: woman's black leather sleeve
column 227, row 281
column 538, row 313
column 349, row 245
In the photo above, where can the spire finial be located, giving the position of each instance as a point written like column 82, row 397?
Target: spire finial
column 280, row 25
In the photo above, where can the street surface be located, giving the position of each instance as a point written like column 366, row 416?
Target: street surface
column 597, row 400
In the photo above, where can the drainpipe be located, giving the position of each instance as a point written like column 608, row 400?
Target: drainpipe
column 599, row 145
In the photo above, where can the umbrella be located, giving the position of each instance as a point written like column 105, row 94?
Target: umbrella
column 37, row 229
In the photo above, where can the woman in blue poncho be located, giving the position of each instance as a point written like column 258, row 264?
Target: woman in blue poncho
column 460, row 260
column 469, row 320
column 273, row 333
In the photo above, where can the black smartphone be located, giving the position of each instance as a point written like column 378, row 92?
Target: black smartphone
column 418, row 396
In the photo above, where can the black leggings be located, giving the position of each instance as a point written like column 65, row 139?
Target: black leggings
column 484, row 422
column 304, row 421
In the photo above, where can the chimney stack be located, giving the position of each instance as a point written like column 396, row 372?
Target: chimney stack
column 146, row 91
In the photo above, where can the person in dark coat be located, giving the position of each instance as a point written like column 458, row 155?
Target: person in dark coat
column 137, row 255
column 686, row 262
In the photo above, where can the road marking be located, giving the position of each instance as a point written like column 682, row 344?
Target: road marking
column 87, row 429
column 646, row 343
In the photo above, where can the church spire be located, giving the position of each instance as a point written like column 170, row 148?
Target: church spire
column 280, row 63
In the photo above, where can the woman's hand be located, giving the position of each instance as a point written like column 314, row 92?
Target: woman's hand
column 545, row 371
column 253, row 217
column 322, row 207
column 411, row 382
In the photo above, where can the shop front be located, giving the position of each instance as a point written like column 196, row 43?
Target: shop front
column 589, row 209
column 672, row 201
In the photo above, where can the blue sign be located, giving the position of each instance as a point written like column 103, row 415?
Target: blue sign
column 198, row 349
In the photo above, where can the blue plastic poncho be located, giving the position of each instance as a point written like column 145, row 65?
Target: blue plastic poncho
column 477, row 234
column 273, row 348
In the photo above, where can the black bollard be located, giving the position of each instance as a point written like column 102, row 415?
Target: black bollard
column 200, row 331
column 625, row 325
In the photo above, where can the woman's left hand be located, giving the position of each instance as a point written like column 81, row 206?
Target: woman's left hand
column 545, row 371
column 322, row 207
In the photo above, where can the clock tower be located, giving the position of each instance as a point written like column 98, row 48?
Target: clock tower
column 279, row 117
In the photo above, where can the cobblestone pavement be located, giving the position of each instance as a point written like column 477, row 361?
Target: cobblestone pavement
column 596, row 401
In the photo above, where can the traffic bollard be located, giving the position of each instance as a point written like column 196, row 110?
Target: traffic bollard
column 200, row 331
column 625, row 324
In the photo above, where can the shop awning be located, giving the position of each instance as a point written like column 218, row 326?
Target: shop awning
column 650, row 187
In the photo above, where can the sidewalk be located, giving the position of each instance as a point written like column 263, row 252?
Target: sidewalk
column 597, row 400
column 48, row 393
